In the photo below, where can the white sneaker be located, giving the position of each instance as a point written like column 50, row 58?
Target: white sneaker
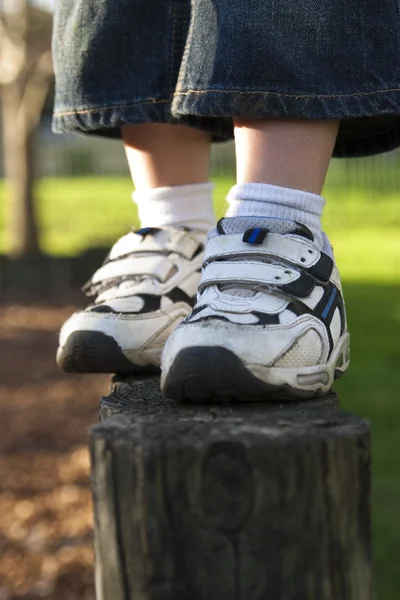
column 146, row 286
column 269, row 321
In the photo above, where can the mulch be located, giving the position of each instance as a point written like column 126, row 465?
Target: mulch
column 46, row 546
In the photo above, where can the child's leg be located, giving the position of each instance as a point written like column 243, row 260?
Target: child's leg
column 269, row 318
column 149, row 281
column 164, row 155
column 292, row 159
column 170, row 167
column 117, row 64
column 291, row 154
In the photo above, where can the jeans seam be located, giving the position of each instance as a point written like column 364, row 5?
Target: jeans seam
column 240, row 92
column 185, row 53
column 172, row 60
column 108, row 108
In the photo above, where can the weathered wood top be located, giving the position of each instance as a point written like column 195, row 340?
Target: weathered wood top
column 139, row 401
column 143, row 395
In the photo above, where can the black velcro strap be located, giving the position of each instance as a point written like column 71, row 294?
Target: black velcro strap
column 323, row 269
column 255, row 235
column 301, row 287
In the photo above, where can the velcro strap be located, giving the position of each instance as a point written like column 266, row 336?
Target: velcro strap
column 152, row 266
column 256, row 235
column 180, row 242
column 297, row 251
column 269, row 303
column 246, row 272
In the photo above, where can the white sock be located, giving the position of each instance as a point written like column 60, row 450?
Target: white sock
column 177, row 206
column 262, row 200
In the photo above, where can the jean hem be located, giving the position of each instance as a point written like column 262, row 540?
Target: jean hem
column 110, row 118
column 354, row 108
column 107, row 120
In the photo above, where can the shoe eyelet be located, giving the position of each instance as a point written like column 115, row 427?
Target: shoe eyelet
column 310, row 252
column 303, row 259
column 277, row 278
column 288, row 272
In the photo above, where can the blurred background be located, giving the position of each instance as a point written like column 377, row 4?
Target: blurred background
column 64, row 201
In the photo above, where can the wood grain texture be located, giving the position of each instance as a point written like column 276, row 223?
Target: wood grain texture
column 247, row 502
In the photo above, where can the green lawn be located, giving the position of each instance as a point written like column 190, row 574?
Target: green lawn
column 81, row 212
column 76, row 213
column 371, row 389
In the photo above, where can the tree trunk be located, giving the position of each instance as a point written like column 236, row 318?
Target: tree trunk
column 21, row 222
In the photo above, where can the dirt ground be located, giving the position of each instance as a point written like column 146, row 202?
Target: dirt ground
column 45, row 503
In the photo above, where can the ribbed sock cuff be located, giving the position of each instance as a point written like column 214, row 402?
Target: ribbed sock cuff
column 177, row 206
column 263, row 200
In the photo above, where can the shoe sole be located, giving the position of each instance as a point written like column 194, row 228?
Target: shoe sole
column 203, row 374
column 96, row 352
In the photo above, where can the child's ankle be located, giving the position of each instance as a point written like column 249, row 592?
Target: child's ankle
column 262, row 200
column 178, row 206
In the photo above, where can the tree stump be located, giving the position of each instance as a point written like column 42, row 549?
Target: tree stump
column 229, row 502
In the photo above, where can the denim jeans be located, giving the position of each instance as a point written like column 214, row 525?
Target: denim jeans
column 203, row 62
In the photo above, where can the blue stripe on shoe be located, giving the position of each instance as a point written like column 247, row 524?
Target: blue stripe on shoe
column 329, row 305
column 254, row 235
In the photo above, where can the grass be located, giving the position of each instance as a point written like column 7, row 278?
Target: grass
column 77, row 213
column 372, row 389
column 81, row 212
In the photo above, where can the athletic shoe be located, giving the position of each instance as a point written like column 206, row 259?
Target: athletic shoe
column 269, row 322
column 145, row 287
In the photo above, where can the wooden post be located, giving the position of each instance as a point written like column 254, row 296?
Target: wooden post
column 229, row 502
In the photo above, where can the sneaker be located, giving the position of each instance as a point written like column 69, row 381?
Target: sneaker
column 145, row 287
column 269, row 322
